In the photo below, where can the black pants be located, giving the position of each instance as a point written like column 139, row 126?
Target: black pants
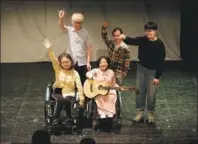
column 61, row 102
column 82, row 70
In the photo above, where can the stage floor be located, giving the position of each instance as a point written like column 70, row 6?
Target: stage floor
column 22, row 108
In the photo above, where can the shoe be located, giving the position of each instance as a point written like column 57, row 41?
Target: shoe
column 151, row 117
column 55, row 122
column 110, row 115
column 102, row 116
column 138, row 116
column 67, row 122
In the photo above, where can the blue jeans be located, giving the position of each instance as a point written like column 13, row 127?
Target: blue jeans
column 147, row 97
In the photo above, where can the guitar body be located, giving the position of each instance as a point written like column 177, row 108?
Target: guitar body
column 92, row 88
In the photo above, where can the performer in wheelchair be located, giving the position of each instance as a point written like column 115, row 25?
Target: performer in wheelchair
column 106, row 104
column 66, row 80
column 101, row 87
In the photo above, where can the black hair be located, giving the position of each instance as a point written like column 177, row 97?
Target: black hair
column 103, row 57
column 68, row 56
column 87, row 141
column 41, row 137
column 117, row 28
column 150, row 25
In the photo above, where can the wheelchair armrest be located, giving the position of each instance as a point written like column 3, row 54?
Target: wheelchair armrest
column 76, row 96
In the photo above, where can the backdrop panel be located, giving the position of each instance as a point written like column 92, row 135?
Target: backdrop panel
column 24, row 26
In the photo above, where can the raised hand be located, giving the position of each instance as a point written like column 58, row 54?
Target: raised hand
column 61, row 13
column 122, row 37
column 105, row 24
column 47, row 43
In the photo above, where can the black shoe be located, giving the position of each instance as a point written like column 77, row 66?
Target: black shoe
column 67, row 122
column 55, row 122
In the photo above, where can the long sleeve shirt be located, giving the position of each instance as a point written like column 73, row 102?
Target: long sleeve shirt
column 119, row 56
column 68, row 80
column 151, row 54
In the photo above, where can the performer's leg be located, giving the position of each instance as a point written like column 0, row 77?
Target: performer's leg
column 57, row 110
column 82, row 70
column 57, row 94
column 141, row 98
column 151, row 95
column 68, row 105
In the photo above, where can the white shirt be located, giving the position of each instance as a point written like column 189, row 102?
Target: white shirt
column 77, row 47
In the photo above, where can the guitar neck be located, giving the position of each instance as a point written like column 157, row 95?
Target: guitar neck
column 112, row 88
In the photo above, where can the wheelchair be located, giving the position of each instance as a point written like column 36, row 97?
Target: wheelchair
column 49, row 107
column 115, row 122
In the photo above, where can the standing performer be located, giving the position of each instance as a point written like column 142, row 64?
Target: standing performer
column 118, row 52
column 79, row 43
column 151, row 56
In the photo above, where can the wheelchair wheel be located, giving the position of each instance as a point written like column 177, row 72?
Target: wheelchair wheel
column 47, row 129
column 95, row 121
column 116, row 126
column 78, row 115
column 117, row 120
column 95, row 124
column 48, row 105
column 48, row 114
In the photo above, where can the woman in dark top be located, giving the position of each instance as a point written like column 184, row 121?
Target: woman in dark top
column 151, row 55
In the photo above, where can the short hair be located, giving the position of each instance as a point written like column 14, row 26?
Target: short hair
column 77, row 17
column 87, row 141
column 41, row 137
column 68, row 56
column 150, row 25
column 103, row 57
column 117, row 29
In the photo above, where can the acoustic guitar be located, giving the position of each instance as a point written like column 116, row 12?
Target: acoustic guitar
column 92, row 88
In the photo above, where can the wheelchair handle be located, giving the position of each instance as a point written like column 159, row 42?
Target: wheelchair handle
column 48, row 92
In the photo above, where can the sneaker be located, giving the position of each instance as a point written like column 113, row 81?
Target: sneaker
column 102, row 116
column 138, row 116
column 151, row 117
column 110, row 115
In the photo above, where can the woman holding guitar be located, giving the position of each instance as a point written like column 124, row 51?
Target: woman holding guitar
column 106, row 77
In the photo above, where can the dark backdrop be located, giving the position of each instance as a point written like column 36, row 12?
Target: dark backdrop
column 188, row 37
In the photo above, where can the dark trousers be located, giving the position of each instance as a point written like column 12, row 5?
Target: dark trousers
column 82, row 70
column 61, row 102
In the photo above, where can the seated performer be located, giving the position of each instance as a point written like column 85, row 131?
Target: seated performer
column 118, row 52
column 67, row 79
column 106, row 104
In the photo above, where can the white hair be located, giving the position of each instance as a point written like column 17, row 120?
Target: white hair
column 77, row 17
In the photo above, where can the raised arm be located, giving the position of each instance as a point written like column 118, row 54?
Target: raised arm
column 104, row 35
column 129, row 40
column 61, row 20
column 51, row 55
